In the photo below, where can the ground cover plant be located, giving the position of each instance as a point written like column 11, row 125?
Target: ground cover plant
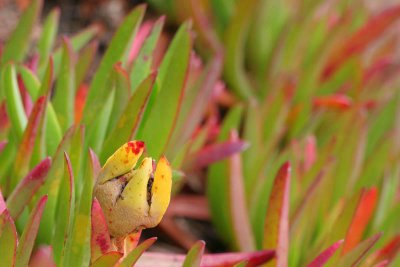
column 315, row 86
column 277, row 121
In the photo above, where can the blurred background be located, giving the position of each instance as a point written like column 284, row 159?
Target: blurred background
column 312, row 82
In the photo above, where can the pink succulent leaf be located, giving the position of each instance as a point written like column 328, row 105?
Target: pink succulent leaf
column 100, row 238
column 256, row 258
column 182, row 206
column 43, row 256
column 238, row 206
column 213, row 153
column 322, row 258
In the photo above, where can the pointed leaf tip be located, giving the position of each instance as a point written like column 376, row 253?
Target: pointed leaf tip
column 276, row 226
column 27, row 240
column 193, row 258
column 135, row 254
column 361, row 218
column 322, row 258
column 100, row 238
column 286, row 168
column 27, row 188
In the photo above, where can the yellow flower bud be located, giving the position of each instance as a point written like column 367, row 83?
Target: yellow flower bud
column 133, row 199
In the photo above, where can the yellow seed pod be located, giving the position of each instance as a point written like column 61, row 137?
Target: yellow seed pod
column 134, row 199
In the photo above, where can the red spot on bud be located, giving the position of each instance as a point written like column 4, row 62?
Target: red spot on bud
column 135, row 147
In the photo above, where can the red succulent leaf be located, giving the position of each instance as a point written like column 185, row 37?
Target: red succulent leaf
column 26, row 99
column 388, row 252
column 100, row 238
column 322, row 258
column 361, row 218
column 25, row 149
column 4, row 121
column 80, row 100
column 337, row 101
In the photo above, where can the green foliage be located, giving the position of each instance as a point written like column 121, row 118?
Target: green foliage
column 310, row 84
column 319, row 93
column 58, row 118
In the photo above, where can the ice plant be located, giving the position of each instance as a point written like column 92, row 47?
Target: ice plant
column 133, row 199
column 310, row 98
column 58, row 125
column 314, row 83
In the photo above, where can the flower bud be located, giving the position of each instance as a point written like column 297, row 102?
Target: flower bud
column 133, row 199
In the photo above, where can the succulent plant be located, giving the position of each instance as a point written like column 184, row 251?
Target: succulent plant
column 312, row 83
column 56, row 119
column 290, row 110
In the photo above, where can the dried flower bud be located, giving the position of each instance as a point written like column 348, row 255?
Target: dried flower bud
column 133, row 199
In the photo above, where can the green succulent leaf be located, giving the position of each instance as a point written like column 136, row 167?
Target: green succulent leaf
column 64, row 214
column 134, row 255
column 193, row 258
column 63, row 99
column 78, row 41
column 108, row 259
column 116, row 51
column 26, row 189
column 32, row 134
column 165, row 101
column 131, row 118
column 142, row 64
column 14, row 104
column 48, row 38
column 77, row 249
column 218, row 181
column 17, row 45
column 27, row 240
column 8, row 240
column 84, row 62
